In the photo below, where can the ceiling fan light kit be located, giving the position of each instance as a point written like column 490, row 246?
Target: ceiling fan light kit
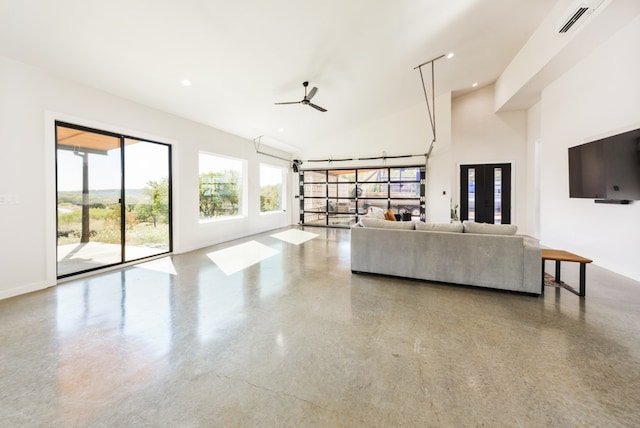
column 307, row 98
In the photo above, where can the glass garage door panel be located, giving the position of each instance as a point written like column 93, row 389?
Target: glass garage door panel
column 404, row 190
column 316, row 190
column 315, row 219
column 364, row 204
column 373, row 175
column 314, row 176
column 315, row 204
column 343, row 220
column 405, row 174
column 342, row 206
column 342, row 176
column 339, row 197
column 410, row 207
column 374, row 190
column 341, row 190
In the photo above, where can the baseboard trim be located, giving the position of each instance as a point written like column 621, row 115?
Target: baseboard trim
column 29, row 288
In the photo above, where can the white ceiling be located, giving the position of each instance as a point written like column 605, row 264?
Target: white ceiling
column 243, row 56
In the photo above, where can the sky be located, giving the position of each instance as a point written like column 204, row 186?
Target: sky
column 144, row 162
column 268, row 174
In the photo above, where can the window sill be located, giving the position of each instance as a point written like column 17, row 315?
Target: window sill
column 204, row 221
column 273, row 212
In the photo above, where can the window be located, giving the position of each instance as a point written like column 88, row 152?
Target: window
column 221, row 186
column 272, row 188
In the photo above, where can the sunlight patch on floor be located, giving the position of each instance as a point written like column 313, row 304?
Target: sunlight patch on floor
column 234, row 259
column 164, row 265
column 295, row 236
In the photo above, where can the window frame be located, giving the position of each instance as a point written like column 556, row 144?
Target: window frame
column 283, row 188
column 242, row 185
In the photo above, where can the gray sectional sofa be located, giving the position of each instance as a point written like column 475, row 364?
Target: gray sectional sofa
column 477, row 254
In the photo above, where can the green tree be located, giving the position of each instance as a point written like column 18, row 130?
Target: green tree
column 144, row 212
column 219, row 194
column 270, row 197
column 158, row 193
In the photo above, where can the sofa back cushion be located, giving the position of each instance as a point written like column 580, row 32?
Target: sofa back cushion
column 386, row 224
column 375, row 212
column 489, row 229
column 440, row 227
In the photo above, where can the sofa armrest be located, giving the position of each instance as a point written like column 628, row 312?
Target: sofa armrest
column 532, row 280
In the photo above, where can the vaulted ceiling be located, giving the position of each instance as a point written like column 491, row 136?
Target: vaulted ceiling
column 243, row 56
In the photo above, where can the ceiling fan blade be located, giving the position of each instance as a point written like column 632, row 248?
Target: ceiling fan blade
column 289, row 102
column 312, row 92
column 317, row 107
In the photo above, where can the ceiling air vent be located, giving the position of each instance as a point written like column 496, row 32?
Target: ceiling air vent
column 573, row 19
column 583, row 9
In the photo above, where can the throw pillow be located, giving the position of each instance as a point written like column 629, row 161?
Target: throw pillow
column 489, row 229
column 440, row 227
column 390, row 216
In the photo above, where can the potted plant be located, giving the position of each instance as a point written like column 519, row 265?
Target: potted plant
column 454, row 213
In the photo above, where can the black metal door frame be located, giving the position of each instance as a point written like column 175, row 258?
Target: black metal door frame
column 484, row 192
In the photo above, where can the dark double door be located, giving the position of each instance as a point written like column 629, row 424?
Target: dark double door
column 485, row 193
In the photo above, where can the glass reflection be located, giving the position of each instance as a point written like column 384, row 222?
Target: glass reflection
column 220, row 300
column 497, row 195
column 471, row 194
column 130, row 311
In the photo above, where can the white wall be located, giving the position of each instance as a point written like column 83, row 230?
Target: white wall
column 547, row 55
column 479, row 135
column 30, row 100
column 403, row 133
column 440, row 167
column 597, row 97
column 534, row 143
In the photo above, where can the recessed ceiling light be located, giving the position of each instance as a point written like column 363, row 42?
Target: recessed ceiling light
column 450, row 55
column 186, row 82
column 281, row 130
column 474, row 85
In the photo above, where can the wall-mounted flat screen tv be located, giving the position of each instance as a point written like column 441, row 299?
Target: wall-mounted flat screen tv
column 606, row 169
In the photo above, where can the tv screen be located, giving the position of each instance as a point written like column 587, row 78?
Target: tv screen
column 606, row 169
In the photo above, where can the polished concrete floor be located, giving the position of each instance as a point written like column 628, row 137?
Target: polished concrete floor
column 297, row 340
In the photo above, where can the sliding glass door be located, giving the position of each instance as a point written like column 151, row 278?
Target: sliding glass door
column 113, row 199
column 147, row 202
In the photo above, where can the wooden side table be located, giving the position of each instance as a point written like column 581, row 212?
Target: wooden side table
column 565, row 256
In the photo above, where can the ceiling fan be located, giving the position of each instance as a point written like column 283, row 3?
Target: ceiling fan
column 307, row 98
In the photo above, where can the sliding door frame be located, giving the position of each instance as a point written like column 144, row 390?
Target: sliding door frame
column 122, row 194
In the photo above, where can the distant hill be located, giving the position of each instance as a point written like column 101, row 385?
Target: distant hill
column 102, row 196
